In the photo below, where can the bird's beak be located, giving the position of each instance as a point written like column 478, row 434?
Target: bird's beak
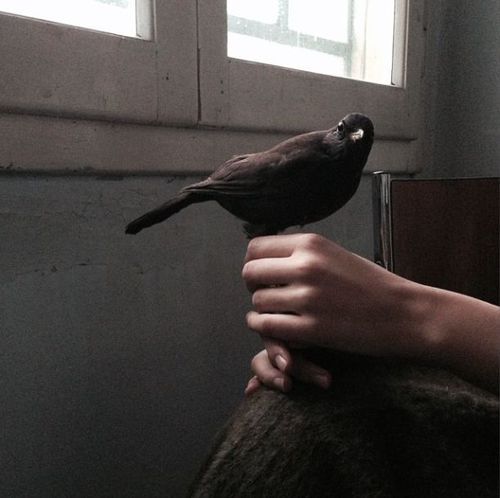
column 357, row 135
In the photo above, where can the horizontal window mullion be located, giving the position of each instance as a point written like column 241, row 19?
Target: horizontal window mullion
column 277, row 34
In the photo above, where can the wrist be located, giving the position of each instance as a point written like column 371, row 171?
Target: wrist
column 420, row 325
column 458, row 333
column 433, row 331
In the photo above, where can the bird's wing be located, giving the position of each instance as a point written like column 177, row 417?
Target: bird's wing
column 240, row 176
column 276, row 172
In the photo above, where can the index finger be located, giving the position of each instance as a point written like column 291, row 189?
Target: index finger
column 271, row 246
column 275, row 272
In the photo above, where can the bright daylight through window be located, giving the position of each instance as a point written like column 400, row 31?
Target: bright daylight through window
column 122, row 17
column 347, row 38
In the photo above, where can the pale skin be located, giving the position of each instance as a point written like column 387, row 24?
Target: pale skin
column 309, row 292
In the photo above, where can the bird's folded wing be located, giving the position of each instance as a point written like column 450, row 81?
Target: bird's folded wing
column 241, row 176
column 276, row 174
column 248, row 189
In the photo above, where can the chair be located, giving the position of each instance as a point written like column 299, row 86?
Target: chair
column 440, row 232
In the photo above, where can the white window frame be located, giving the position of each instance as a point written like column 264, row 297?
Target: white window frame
column 294, row 101
column 55, row 69
column 177, row 103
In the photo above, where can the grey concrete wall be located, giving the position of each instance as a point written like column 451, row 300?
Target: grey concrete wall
column 463, row 95
column 121, row 356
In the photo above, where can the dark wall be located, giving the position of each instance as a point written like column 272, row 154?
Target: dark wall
column 121, row 356
column 464, row 116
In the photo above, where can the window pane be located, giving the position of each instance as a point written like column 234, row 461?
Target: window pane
column 320, row 18
column 265, row 11
column 348, row 38
column 111, row 16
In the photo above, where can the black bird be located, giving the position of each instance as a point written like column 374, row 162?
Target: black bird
column 301, row 180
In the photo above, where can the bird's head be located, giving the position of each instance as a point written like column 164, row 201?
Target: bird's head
column 352, row 137
column 355, row 128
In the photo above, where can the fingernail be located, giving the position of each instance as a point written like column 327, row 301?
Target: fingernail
column 279, row 382
column 280, row 362
column 252, row 386
column 323, row 380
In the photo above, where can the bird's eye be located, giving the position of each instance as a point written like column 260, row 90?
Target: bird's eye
column 340, row 129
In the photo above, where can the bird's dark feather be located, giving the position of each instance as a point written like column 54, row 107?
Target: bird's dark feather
column 298, row 181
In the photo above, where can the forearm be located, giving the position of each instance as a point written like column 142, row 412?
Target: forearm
column 308, row 290
column 461, row 334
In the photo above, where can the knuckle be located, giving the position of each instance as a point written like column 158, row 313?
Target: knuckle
column 307, row 266
column 251, row 248
column 312, row 241
column 244, row 271
column 254, row 364
column 247, row 271
column 314, row 323
column 308, row 295
column 257, row 300
column 274, row 348
column 250, row 320
column 266, row 326
column 259, row 323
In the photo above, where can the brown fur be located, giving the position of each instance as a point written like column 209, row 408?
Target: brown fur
column 382, row 430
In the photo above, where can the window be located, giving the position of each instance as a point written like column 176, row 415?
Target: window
column 244, row 94
column 348, row 38
column 50, row 68
column 122, row 17
column 127, row 101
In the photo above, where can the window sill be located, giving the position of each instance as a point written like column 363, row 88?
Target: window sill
column 36, row 144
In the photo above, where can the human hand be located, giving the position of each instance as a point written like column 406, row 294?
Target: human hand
column 277, row 367
column 308, row 290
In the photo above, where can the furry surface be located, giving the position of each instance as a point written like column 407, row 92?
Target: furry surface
column 382, row 430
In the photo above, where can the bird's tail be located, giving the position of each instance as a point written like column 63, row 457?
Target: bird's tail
column 172, row 206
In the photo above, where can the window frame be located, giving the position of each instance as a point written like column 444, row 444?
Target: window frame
column 125, row 94
column 55, row 69
column 229, row 96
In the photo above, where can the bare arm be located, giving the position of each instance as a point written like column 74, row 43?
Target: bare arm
column 308, row 290
column 466, row 336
